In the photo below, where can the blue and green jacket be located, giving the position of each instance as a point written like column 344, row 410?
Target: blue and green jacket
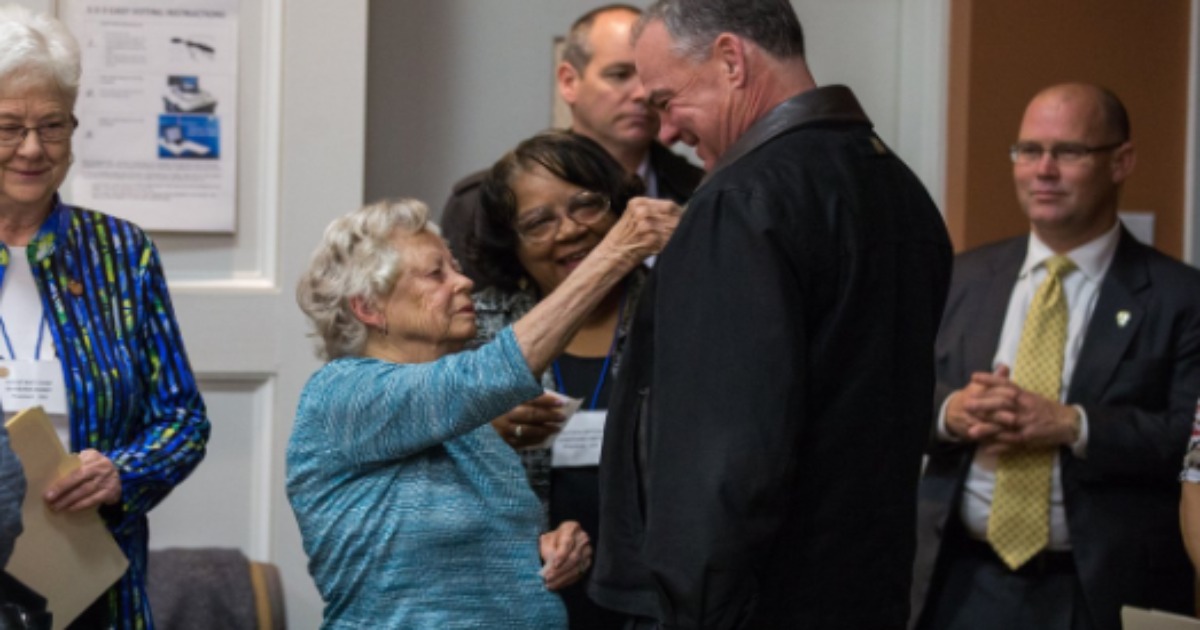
column 131, row 393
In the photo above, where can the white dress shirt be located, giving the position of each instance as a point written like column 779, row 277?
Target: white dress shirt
column 650, row 179
column 24, row 332
column 1082, row 288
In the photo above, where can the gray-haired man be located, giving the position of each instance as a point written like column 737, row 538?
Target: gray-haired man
column 764, row 439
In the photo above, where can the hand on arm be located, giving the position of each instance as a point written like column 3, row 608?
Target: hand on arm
column 96, row 482
column 566, row 554
column 531, row 422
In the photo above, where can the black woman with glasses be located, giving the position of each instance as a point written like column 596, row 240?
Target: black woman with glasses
column 547, row 203
column 86, row 320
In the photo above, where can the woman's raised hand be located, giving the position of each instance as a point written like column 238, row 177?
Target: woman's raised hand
column 644, row 228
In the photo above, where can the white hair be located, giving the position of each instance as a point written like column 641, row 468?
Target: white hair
column 37, row 47
column 357, row 258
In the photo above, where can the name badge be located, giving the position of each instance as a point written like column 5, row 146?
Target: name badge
column 24, row 384
column 579, row 442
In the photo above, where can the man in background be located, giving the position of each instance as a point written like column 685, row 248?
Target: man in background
column 1068, row 368
column 598, row 81
column 764, row 440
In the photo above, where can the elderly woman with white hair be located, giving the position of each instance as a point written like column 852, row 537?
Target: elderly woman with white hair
column 84, row 309
column 414, row 512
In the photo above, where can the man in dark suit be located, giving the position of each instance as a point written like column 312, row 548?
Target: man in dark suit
column 764, row 440
column 1049, row 507
column 599, row 82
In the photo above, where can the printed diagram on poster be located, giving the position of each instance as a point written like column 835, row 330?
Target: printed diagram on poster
column 157, row 111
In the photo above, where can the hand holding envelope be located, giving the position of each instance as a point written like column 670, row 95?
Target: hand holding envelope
column 68, row 557
column 530, row 424
column 565, row 407
column 575, row 436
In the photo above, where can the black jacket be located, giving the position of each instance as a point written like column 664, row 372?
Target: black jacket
column 764, row 440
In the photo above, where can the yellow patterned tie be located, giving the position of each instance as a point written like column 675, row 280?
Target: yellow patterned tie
column 1019, row 525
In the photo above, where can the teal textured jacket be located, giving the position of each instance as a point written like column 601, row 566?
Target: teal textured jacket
column 414, row 512
column 130, row 391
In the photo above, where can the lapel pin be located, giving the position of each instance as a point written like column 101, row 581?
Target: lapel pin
column 1122, row 318
column 75, row 287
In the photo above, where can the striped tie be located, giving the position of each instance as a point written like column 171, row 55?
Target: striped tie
column 1019, row 525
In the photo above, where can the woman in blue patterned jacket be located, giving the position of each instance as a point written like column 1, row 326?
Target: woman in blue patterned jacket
column 413, row 510
column 84, row 310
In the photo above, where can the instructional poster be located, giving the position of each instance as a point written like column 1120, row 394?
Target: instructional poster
column 157, row 108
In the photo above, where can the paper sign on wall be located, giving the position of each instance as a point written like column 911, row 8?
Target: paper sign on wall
column 157, row 109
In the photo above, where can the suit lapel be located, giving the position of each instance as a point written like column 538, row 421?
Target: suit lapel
column 982, row 338
column 1115, row 321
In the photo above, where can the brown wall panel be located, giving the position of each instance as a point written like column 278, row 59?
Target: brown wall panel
column 1004, row 51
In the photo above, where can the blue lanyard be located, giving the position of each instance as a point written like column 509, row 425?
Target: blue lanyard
column 558, row 378
column 37, row 350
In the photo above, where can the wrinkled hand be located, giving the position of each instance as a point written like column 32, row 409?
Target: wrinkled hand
column 531, row 422
column 566, row 555
column 96, row 482
column 644, row 228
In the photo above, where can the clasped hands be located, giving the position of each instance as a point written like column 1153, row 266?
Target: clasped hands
column 998, row 414
column 566, row 555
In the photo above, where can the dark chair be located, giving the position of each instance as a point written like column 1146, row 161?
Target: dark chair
column 198, row 589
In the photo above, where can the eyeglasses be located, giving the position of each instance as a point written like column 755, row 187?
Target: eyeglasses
column 542, row 224
column 1063, row 153
column 49, row 133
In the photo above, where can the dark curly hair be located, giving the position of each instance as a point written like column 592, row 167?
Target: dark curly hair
column 568, row 156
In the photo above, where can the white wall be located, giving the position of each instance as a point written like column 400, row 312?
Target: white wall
column 455, row 83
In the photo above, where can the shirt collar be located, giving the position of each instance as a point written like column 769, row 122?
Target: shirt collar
column 829, row 104
column 1092, row 258
column 643, row 169
column 43, row 242
column 648, row 176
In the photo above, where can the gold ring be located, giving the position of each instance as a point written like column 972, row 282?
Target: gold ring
column 518, row 431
